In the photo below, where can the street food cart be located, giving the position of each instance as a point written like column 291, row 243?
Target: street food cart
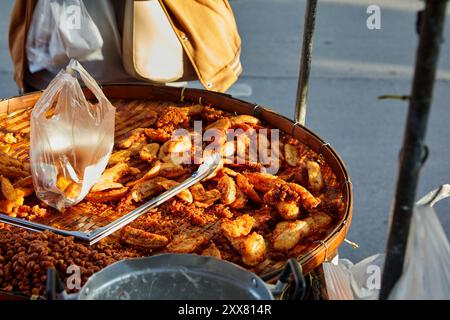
column 197, row 226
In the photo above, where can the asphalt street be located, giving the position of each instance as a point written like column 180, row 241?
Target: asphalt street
column 352, row 66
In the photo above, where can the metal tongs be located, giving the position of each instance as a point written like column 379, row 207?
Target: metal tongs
column 208, row 166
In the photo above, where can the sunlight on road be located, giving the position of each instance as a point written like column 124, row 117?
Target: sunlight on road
column 376, row 70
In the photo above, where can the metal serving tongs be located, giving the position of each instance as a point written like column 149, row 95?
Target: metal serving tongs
column 208, row 166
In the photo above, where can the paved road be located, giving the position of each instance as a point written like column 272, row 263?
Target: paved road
column 352, row 67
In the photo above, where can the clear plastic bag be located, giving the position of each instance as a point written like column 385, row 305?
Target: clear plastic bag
column 71, row 139
column 61, row 30
column 426, row 271
column 348, row 281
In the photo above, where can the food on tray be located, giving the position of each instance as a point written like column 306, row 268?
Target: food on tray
column 143, row 239
column 241, row 213
column 212, row 251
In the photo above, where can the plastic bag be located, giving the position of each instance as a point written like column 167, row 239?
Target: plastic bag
column 70, row 140
column 426, row 271
column 61, row 30
column 348, row 281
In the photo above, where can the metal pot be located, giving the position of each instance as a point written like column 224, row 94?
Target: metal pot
column 178, row 277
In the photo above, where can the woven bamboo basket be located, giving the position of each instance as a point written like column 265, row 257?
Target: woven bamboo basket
column 15, row 115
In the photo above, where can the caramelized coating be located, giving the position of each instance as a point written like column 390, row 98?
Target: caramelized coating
column 241, row 200
column 198, row 192
column 151, row 173
column 186, row 243
column 318, row 222
column 149, row 152
column 262, row 181
column 137, row 146
column 110, row 176
column 288, row 233
column 118, row 157
column 212, row 196
column 203, row 198
column 184, row 195
column 252, row 248
column 238, row 227
column 244, row 118
column 314, row 176
column 212, row 251
column 158, row 135
column 129, row 138
column 143, row 239
column 11, row 167
column 308, row 200
column 173, row 117
column 210, row 114
column 108, row 195
column 227, row 188
column 8, row 189
column 247, row 188
column 146, row 189
column 26, row 182
column 172, row 170
column 291, row 155
column 289, row 210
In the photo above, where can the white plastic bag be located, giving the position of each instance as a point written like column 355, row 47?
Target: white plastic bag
column 348, row 281
column 61, row 30
column 71, row 139
column 426, row 271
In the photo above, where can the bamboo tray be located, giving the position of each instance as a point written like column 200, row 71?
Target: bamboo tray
column 15, row 114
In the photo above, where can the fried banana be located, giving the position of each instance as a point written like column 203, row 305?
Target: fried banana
column 184, row 195
column 239, row 227
column 118, row 157
column 186, row 243
column 130, row 138
column 288, row 233
column 146, row 189
column 227, row 188
column 137, row 146
column 108, row 195
column 110, row 176
column 150, row 174
column 252, row 248
column 8, row 189
column 262, row 181
column 314, row 176
column 247, row 188
column 291, row 154
column 241, row 200
column 158, row 135
column 141, row 238
column 149, row 152
column 26, row 182
column 212, row 251
column 171, row 170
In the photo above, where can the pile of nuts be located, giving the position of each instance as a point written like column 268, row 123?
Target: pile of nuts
column 25, row 258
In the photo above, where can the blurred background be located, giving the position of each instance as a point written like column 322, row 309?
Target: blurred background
column 351, row 67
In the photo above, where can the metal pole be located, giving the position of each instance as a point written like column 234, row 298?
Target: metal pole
column 412, row 154
column 305, row 61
